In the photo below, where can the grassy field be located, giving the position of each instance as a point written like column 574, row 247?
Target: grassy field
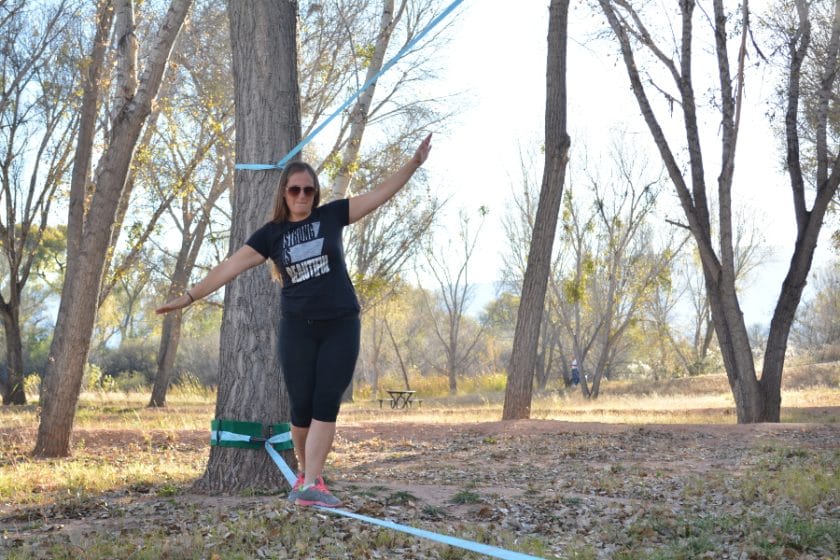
column 124, row 492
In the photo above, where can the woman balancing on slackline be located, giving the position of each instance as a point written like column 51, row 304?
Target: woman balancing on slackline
column 319, row 328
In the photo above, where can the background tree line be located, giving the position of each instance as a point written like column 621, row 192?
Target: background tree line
column 625, row 295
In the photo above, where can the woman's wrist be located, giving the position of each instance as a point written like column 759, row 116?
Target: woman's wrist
column 189, row 297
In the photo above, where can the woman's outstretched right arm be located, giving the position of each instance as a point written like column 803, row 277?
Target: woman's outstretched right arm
column 222, row 273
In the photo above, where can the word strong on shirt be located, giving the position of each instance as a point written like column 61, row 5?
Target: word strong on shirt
column 303, row 253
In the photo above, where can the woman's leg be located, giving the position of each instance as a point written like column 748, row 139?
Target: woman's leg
column 299, row 435
column 298, row 348
column 318, row 446
column 337, row 356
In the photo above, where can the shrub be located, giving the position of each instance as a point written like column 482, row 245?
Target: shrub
column 130, row 381
column 198, row 359
column 32, row 385
column 484, row 384
column 94, row 379
column 188, row 385
column 137, row 355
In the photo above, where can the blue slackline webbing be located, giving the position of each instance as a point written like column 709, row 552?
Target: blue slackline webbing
column 486, row 549
column 285, row 469
column 294, row 151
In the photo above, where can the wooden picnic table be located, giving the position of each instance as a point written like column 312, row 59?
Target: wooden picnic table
column 400, row 398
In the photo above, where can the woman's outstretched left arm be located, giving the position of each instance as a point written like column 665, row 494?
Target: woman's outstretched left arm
column 364, row 204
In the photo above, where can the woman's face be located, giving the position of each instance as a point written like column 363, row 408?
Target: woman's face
column 299, row 194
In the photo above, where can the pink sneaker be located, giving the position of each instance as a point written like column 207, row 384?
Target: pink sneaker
column 293, row 493
column 317, row 495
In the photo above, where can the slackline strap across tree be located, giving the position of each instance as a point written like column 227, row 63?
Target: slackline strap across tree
column 385, row 67
column 249, row 435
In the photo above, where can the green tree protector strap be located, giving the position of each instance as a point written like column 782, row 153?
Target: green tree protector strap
column 249, row 435
column 281, row 438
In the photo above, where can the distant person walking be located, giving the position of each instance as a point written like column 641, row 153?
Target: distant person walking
column 319, row 328
column 575, row 372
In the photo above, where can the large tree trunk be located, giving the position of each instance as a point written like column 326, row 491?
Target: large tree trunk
column 263, row 39
column 557, row 142
column 13, row 393
column 89, row 232
column 735, row 348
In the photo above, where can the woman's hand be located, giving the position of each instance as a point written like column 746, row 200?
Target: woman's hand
column 179, row 302
column 423, row 150
column 245, row 258
column 365, row 203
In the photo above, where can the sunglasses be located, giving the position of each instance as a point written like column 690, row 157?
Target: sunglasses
column 295, row 190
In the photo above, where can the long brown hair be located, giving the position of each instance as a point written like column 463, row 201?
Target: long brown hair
column 281, row 209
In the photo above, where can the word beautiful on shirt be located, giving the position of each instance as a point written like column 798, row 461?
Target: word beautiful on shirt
column 302, row 253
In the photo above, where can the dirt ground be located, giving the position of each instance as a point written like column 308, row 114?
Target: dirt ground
column 434, row 461
column 551, row 489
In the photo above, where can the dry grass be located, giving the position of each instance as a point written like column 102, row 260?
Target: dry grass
column 798, row 406
column 807, row 391
column 701, row 399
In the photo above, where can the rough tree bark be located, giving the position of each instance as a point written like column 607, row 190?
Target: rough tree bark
column 264, row 44
column 13, row 392
column 91, row 215
column 523, row 358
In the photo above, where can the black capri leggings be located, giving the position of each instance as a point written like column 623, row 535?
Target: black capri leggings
column 318, row 359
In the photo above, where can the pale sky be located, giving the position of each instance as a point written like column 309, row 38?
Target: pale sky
column 497, row 58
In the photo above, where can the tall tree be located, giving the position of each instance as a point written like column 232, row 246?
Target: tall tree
column 813, row 103
column 451, row 273
column 263, row 40
column 628, row 263
column 756, row 400
column 37, row 121
column 199, row 159
column 557, row 142
column 193, row 224
column 93, row 205
column 518, row 226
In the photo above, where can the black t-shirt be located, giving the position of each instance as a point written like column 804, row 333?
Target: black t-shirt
column 310, row 256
